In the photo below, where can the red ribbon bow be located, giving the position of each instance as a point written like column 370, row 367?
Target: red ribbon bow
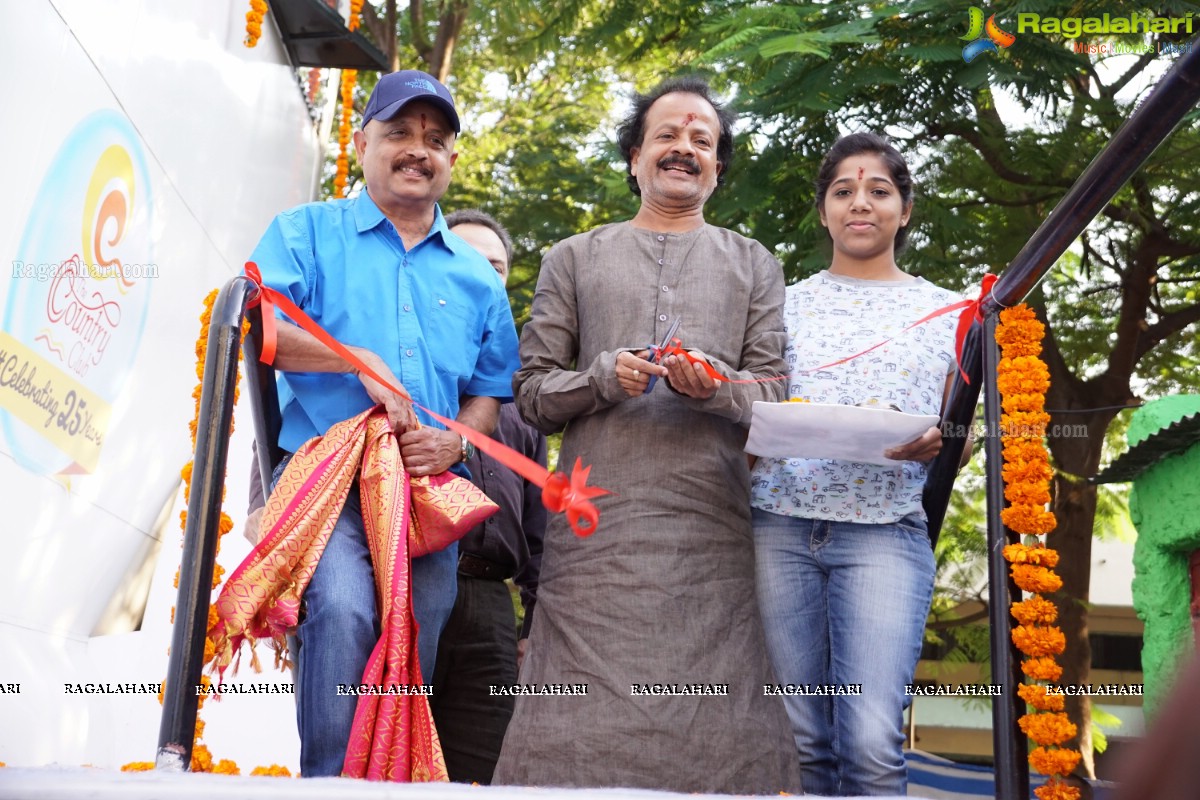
column 559, row 493
column 970, row 313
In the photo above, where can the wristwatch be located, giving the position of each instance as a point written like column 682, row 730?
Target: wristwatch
column 467, row 450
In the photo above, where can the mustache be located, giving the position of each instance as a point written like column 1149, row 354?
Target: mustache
column 413, row 163
column 690, row 164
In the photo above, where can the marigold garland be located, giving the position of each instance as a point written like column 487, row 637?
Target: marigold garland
column 254, row 20
column 1023, row 378
column 342, row 176
column 349, row 79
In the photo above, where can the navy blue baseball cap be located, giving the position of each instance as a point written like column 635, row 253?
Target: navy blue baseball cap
column 397, row 89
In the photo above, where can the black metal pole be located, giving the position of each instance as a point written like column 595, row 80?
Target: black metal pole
column 1008, row 750
column 177, row 729
column 1142, row 133
column 264, row 406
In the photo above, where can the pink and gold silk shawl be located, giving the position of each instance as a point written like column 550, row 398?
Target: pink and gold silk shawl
column 393, row 736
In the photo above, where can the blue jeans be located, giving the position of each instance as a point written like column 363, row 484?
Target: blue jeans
column 339, row 627
column 845, row 603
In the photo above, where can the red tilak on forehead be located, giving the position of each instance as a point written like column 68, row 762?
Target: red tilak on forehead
column 860, row 169
column 423, row 128
column 689, row 119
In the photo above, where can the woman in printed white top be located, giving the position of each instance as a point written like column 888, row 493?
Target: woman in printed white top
column 845, row 567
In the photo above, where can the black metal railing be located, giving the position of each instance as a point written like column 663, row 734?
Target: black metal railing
column 177, row 728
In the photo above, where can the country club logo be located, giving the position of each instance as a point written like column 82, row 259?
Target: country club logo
column 982, row 37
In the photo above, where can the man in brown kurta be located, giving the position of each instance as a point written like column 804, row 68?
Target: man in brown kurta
column 656, row 611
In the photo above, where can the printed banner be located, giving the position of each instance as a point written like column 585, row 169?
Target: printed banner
column 77, row 301
column 70, row 416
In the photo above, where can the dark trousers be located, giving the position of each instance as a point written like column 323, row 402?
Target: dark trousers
column 477, row 649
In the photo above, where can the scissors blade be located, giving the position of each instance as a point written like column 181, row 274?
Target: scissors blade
column 671, row 331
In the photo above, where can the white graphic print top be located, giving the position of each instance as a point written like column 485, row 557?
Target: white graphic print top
column 830, row 317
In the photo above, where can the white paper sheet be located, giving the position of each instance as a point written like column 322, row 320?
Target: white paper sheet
column 823, row 430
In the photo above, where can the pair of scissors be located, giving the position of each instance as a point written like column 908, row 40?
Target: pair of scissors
column 656, row 352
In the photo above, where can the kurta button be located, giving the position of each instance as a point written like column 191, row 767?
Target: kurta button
column 408, row 353
column 666, row 288
column 662, row 317
column 661, row 237
column 407, row 308
column 660, row 262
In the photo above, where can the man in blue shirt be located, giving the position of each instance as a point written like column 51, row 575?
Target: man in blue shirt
column 385, row 277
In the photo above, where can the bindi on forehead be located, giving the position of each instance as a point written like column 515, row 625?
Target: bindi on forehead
column 424, row 122
column 688, row 119
column 860, row 173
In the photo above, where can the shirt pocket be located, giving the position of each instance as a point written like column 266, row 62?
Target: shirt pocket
column 453, row 338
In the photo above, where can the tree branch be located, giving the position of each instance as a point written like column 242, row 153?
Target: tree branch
column 417, row 37
column 449, row 26
column 1167, row 325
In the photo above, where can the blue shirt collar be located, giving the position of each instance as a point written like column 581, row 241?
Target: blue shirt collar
column 367, row 215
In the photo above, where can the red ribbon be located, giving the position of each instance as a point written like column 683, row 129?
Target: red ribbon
column 559, row 493
column 970, row 313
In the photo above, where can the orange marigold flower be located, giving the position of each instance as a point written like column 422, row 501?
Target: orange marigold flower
column 132, row 766
column 275, row 770
column 1035, row 695
column 1049, row 728
column 1039, row 640
column 213, row 617
column 1028, row 519
column 1035, row 611
column 1022, row 403
column 1025, row 467
column 1024, row 423
column 1020, row 493
column 1041, row 669
column 225, row 524
column 1019, row 324
column 1013, row 380
column 226, row 767
column 1056, row 790
column 1059, row 761
column 201, row 759
column 1027, row 554
column 1032, row 578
